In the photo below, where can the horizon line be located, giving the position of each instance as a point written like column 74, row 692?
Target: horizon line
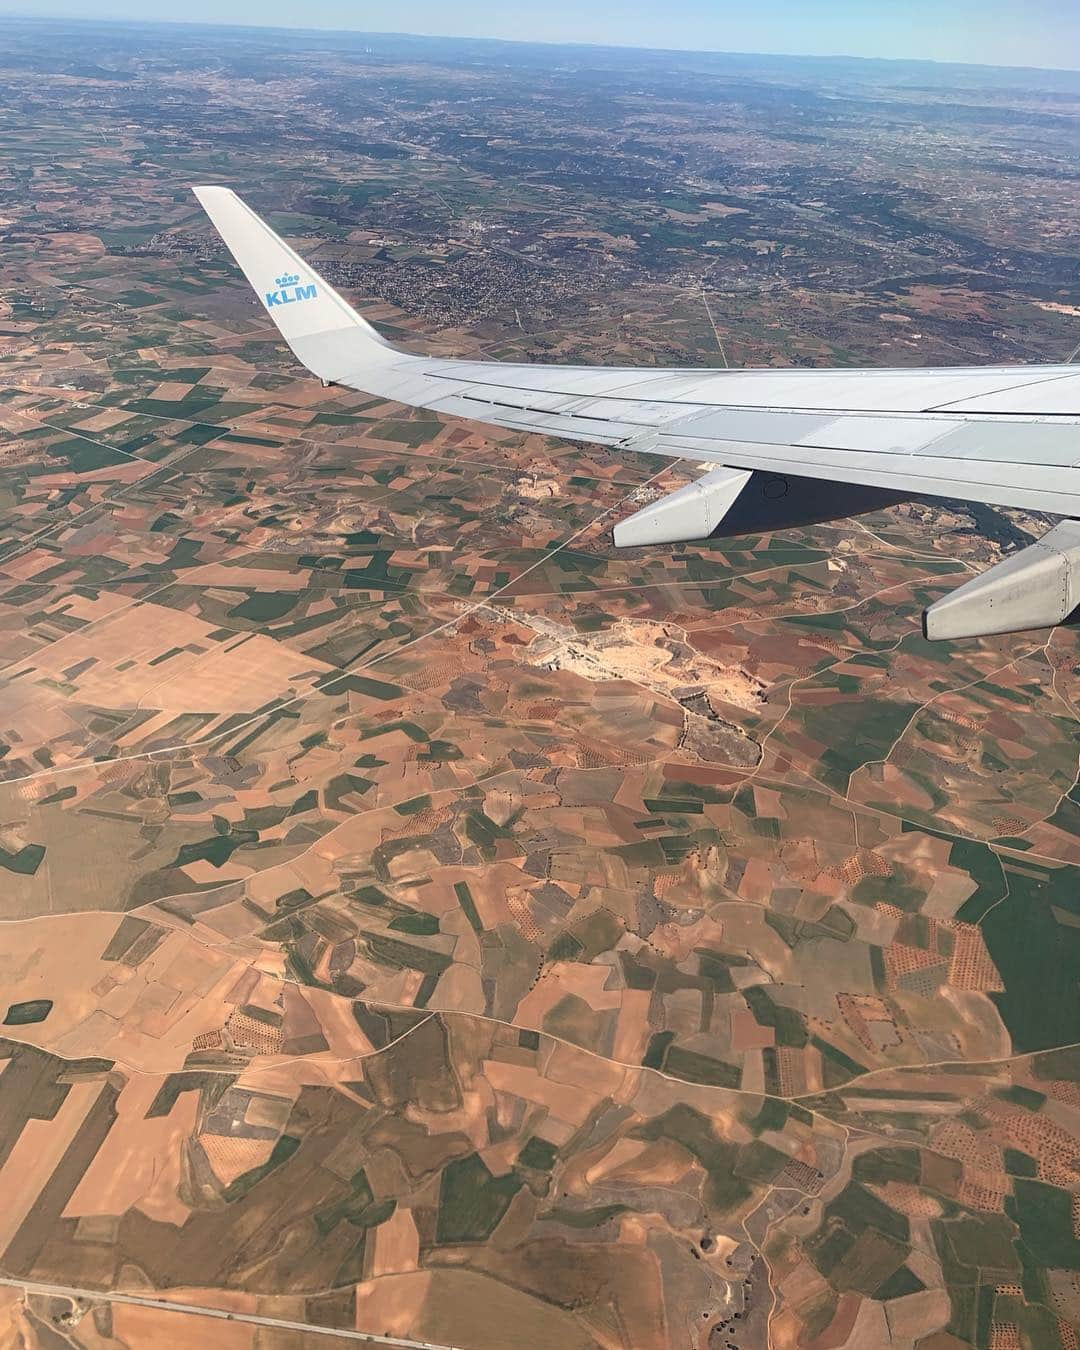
column 219, row 24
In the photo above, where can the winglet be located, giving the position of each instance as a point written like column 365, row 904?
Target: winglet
column 324, row 331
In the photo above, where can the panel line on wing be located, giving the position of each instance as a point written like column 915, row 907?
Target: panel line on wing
column 1029, row 384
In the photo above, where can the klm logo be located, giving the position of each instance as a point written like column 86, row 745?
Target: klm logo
column 289, row 291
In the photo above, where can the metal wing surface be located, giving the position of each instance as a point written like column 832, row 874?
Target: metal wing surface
column 1004, row 435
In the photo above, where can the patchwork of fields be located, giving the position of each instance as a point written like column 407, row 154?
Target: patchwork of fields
column 420, row 918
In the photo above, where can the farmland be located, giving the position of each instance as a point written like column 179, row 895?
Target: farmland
column 420, row 917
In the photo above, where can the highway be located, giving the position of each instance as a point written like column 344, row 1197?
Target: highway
column 252, row 1319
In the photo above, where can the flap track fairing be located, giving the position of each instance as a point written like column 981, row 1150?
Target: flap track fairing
column 729, row 502
column 1039, row 587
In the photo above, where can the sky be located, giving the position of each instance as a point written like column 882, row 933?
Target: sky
column 989, row 32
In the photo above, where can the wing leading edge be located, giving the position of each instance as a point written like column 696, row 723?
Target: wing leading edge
column 1005, row 436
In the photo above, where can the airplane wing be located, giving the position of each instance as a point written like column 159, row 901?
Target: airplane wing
column 786, row 445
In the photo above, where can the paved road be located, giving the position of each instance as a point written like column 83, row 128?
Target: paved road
column 252, row 1319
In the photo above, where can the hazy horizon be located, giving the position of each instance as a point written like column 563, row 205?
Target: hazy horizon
column 963, row 32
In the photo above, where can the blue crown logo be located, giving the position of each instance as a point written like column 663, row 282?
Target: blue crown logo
column 290, row 291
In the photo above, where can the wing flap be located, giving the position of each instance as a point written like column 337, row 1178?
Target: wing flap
column 1055, row 444
column 1037, row 487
